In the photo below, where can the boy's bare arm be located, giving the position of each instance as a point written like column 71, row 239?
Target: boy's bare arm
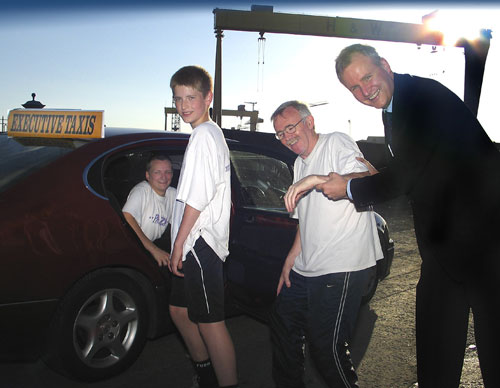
column 189, row 218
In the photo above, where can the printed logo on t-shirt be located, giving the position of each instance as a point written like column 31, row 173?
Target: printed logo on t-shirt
column 158, row 220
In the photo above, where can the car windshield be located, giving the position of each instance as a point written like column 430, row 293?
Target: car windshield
column 24, row 156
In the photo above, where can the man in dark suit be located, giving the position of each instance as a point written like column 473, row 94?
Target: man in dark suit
column 441, row 158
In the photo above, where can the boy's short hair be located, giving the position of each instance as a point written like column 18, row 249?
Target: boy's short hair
column 192, row 76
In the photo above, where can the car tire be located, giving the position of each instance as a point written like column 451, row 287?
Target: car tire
column 100, row 327
column 371, row 286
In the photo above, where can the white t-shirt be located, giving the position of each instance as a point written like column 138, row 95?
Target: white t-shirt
column 335, row 237
column 205, row 184
column 151, row 211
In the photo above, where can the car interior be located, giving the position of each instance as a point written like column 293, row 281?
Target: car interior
column 263, row 179
column 123, row 172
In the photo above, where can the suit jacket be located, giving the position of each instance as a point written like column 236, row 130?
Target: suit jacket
column 448, row 167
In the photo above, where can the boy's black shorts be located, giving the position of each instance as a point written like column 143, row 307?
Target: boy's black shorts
column 202, row 288
column 177, row 292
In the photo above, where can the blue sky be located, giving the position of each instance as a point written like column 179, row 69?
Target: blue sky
column 119, row 57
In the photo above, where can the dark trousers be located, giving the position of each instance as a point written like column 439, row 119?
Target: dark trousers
column 323, row 311
column 442, row 316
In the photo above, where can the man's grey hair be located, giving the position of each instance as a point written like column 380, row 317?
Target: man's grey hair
column 299, row 106
column 157, row 156
column 345, row 57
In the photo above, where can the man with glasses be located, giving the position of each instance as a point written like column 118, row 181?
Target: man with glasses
column 326, row 269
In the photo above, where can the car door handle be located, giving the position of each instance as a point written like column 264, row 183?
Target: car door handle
column 249, row 219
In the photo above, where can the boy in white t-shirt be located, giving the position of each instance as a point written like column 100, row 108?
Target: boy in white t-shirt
column 149, row 207
column 200, row 231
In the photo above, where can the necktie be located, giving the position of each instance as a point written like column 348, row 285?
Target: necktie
column 387, row 120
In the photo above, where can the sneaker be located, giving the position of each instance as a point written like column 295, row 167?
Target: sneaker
column 195, row 383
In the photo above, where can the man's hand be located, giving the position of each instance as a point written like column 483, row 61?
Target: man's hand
column 175, row 263
column 285, row 274
column 298, row 189
column 335, row 187
column 372, row 170
column 161, row 257
column 289, row 262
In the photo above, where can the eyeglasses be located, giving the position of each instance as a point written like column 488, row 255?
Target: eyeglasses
column 288, row 129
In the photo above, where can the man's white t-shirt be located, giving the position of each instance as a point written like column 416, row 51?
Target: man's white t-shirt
column 151, row 211
column 205, row 184
column 335, row 237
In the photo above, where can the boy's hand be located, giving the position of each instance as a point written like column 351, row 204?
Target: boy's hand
column 188, row 221
column 175, row 263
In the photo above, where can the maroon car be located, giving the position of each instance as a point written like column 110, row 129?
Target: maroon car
column 77, row 287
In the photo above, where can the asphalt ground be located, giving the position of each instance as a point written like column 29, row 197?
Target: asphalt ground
column 383, row 348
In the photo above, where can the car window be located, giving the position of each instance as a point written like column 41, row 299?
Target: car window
column 123, row 171
column 263, row 180
column 24, row 156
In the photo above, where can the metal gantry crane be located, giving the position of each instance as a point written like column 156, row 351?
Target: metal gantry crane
column 263, row 19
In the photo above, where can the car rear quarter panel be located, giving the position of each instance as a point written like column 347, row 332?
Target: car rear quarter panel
column 55, row 230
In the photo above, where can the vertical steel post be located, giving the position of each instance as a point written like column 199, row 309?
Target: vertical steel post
column 476, row 53
column 217, row 111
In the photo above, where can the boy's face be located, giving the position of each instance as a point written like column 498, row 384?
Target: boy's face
column 191, row 105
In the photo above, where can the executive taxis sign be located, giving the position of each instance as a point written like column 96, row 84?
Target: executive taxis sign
column 56, row 123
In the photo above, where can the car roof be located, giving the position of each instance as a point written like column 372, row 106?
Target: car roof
column 264, row 140
column 115, row 131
